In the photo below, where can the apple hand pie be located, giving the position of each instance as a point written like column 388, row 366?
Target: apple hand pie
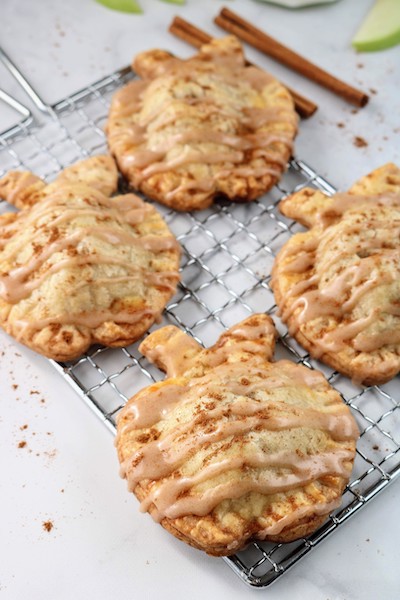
column 77, row 266
column 337, row 286
column 190, row 130
column 233, row 446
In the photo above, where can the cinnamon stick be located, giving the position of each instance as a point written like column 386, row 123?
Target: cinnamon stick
column 188, row 32
column 247, row 32
column 196, row 37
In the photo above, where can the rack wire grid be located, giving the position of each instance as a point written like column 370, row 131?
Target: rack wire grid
column 228, row 252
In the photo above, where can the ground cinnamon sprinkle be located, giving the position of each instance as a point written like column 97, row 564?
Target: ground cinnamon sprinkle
column 47, row 525
column 359, row 142
column 22, row 444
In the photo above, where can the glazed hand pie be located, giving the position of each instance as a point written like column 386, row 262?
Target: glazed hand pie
column 77, row 266
column 337, row 286
column 232, row 446
column 190, row 130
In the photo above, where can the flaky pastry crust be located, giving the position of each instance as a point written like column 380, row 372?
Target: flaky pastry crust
column 337, row 286
column 78, row 267
column 190, row 130
column 232, row 446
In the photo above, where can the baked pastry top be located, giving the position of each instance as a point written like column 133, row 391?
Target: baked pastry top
column 190, row 130
column 337, row 285
column 233, row 446
column 78, row 267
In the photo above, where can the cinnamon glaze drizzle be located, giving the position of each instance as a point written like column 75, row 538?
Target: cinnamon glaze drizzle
column 247, row 408
column 143, row 144
column 332, row 285
column 55, row 248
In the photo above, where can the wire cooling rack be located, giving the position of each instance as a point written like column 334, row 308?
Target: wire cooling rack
column 228, row 252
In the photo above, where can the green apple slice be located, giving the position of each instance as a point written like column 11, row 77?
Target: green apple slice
column 128, row 6
column 381, row 27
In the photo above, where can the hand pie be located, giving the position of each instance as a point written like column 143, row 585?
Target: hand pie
column 77, row 266
column 337, row 286
column 190, row 130
column 232, row 446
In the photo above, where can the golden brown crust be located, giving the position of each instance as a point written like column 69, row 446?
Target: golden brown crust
column 192, row 130
column 232, row 447
column 97, row 172
column 78, row 267
column 21, row 188
column 337, row 286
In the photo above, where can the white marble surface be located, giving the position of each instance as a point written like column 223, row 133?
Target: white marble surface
column 100, row 546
